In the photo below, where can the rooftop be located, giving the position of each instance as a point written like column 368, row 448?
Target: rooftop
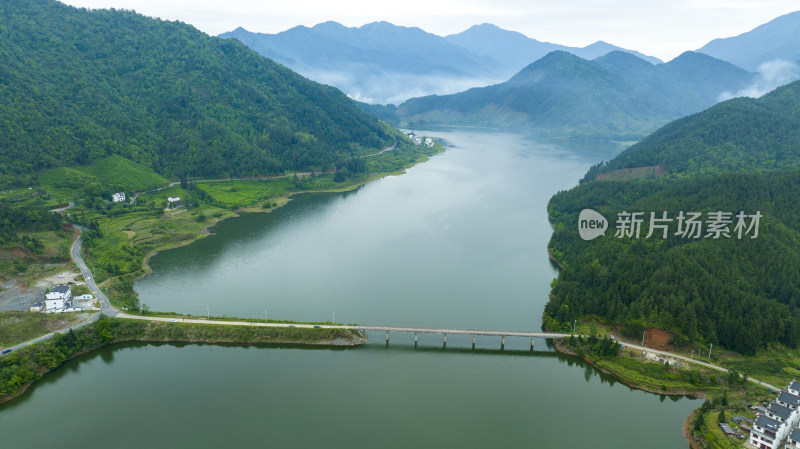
column 60, row 288
column 795, row 435
column 780, row 410
column 788, row 398
column 768, row 423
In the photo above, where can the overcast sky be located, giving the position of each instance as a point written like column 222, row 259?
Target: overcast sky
column 661, row 28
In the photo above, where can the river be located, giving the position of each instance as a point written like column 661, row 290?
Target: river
column 459, row 241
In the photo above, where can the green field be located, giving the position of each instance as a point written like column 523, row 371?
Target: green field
column 112, row 171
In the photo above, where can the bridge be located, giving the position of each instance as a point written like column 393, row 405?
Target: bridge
column 473, row 332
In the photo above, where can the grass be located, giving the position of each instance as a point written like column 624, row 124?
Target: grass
column 242, row 193
column 27, row 266
column 18, row 327
column 113, row 171
column 777, row 365
column 116, row 170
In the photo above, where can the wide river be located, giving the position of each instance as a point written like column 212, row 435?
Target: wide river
column 459, row 241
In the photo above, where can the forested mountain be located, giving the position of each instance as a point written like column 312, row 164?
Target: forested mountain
column 740, row 289
column 615, row 96
column 743, row 134
column 81, row 84
column 516, row 50
column 377, row 62
column 776, row 39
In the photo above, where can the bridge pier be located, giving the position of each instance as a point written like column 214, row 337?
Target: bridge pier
column 415, row 340
column 387, row 337
column 531, row 343
column 502, row 342
column 473, row 342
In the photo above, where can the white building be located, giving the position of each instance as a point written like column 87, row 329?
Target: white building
column 783, row 414
column 768, row 433
column 118, row 197
column 789, row 400
column 794, row 388
column 794, row 439
column 57, row 297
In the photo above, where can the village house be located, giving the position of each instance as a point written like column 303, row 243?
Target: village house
column 58, row 297
column 118, row 197
column 767, row 433
column 789, row 400
column 783, row 414
column 794, row 439
column 174, row 202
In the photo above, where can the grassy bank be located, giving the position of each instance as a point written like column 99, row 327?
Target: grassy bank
column 20, row 369
column 118, row 250
column 728, row 393
column 17, row 327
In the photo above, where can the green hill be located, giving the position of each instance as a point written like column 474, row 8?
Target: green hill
column 742, row 134
column 79, row 85
column 113, row 171
column 743, row 293
column 616, row 96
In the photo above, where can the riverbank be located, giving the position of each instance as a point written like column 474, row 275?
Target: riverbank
column 731, row 393
column 21, row 369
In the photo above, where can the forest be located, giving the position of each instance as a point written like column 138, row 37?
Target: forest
column 738, row 291
column 79, row 85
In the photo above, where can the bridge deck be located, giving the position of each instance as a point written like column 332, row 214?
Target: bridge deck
column 425, row 330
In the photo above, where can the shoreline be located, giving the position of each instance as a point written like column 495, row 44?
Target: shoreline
column 198, row 334
column 281, row 201
column 687, row 434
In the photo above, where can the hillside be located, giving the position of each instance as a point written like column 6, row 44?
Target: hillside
column 739, row 290
column 742, row 134
column 377, row 62
column 79, row 85
column 776, row 39
column 616, row 96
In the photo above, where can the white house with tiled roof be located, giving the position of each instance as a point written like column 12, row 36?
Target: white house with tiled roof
column 57, row 297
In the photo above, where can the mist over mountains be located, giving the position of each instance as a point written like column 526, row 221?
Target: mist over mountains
column 616, row 96
column 383, row 63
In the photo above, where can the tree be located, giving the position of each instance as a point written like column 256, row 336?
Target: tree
column 722, row 418
column 592, row 328
column 700, row 422
column 724, row 398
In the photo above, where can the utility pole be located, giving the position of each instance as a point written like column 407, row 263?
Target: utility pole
column 573, row 325
column 333, row 317
column 265, row 314
column 643, row 332
column 691, row 356
column 709, row 351
column 208, row 313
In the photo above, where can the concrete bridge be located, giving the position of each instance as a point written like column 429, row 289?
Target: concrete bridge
column 473, row 332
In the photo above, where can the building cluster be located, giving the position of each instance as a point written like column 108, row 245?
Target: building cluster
column 418, row 140
column 778, row 422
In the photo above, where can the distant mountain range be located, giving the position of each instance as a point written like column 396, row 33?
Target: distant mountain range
column 79, row 85
column 616, row 96
column 517, row 50
column 778, row 39
column 383, row 63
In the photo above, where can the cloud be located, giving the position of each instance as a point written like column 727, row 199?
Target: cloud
column 771, row 75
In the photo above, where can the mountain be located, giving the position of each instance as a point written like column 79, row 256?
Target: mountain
column 615, row 96
column 759, row 135
column 516, row 50
column 378, row 62
column 739, row 289
column 777, row 39
column 78, row 85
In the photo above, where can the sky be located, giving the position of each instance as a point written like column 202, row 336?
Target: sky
column 660, row 28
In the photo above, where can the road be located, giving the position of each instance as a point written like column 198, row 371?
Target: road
column 106, row 309
column 697, row 362
column 105, row 306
